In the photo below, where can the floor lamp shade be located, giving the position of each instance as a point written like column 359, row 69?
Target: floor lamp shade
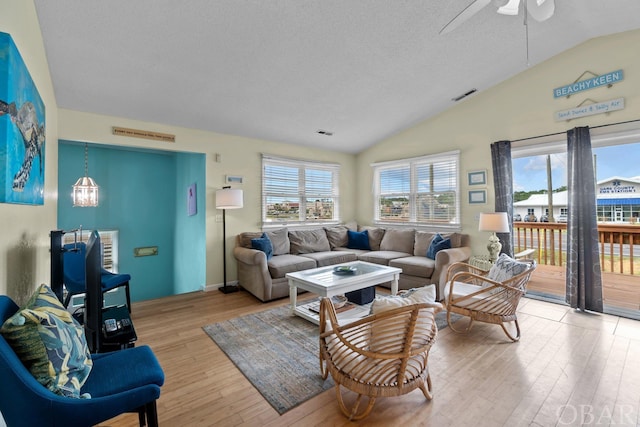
column 227, row 198
column 497, row 222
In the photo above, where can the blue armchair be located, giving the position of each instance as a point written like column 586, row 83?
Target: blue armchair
column 73, row 266
column 123, row 381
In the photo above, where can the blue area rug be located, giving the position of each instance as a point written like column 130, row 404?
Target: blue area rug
column 278, row 354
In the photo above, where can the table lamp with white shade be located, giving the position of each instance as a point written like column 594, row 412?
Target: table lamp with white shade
column 497, row 222
column 227, row 198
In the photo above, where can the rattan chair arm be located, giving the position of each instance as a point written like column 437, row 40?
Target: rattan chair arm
column 463, row 267
column 484, row 281
column 327, row 312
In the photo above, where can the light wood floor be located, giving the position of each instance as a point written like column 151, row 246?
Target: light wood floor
column 569, row 368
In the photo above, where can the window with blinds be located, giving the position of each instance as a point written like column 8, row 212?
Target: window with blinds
column 418, row 191
column 299, row 192
column 109, row 246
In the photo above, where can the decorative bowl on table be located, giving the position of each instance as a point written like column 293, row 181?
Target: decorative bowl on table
column 345, row 269
column 339, row 300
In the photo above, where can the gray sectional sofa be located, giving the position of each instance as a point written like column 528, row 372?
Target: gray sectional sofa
column 296, row 250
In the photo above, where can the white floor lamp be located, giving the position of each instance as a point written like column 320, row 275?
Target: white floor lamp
column 227, row 198
column 497, row 222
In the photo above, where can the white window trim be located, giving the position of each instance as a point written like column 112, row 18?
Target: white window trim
column 334, row 168
column 411, row 162
column 555, row 144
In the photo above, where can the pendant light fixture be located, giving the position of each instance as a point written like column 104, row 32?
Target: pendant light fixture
column 85, row 190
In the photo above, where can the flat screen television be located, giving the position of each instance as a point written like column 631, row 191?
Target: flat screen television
column 93, row 296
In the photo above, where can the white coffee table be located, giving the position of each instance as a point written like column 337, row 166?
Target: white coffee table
column 324, row 282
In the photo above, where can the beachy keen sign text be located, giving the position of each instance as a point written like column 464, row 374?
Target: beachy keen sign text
column 592, row 83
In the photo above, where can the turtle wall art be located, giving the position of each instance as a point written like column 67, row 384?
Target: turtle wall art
column 22, row 130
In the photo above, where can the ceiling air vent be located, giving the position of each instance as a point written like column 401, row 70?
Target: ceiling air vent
column 458, row 98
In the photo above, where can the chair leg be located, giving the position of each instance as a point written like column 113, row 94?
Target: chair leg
column 511, row 337
column 67, row 300
column 427, row 388
column 126, row 291
column 464, row 331
column 141, row 416
column 152, row 413
column 324, row 369
column 353, row 414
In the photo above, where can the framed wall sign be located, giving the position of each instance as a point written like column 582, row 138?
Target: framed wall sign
column 478, row 196
column 234, row 179
column 477, row 177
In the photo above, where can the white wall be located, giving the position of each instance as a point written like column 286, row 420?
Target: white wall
column 518, row 108
column 239, row 156
column 24, row 246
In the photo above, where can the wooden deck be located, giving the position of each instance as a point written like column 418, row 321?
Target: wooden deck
column 620, row 291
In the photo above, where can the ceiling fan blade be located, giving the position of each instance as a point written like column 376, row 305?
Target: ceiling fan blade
column 510, row 8
column 541, row 11
column 467, row 13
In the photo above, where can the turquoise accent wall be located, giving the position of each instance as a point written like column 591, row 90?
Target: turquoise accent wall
column 189, row 259
column 143, row 195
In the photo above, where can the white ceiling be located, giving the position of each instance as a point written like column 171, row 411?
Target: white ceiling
column 281, row 70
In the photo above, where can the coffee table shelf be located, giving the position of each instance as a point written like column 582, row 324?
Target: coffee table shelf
column 325, row 283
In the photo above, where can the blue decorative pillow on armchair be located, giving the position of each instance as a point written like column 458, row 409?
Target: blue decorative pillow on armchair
column 50, row 343
column 263, row 244
column 358, row 240
column 437, row 244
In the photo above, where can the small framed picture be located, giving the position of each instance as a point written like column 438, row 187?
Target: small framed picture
column 233, row 179
column 477, row 177
column 478, row 196
column 192, row 201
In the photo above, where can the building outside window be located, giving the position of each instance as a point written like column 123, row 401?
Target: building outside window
column 617, row 195
column 299, row 191
column 418, row 191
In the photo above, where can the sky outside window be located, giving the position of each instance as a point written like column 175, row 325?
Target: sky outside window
column 530, row 173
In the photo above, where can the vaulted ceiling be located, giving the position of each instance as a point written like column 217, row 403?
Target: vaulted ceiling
column 282, row 70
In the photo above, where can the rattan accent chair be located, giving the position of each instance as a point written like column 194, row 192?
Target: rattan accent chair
column 381, row 355
column 470, row 292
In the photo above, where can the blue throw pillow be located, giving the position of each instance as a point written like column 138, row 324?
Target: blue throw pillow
column 50, row 343
column 263, row 244
column 358, row 240
column 437, row 244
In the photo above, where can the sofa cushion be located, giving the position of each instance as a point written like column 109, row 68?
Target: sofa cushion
column 398, row 240
column 323, row 259
column 375, row 236
column 421, row 242
column 382, row 257
column 418, row 266
column 437, row 244
column 455, row 238
column 263, row 244
column 245, row 238
column 337, row 236
column 357, row 252
column 280, row 241
column 50, row 343
column 280, row 265
column 358, row 240
column 308, row 241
